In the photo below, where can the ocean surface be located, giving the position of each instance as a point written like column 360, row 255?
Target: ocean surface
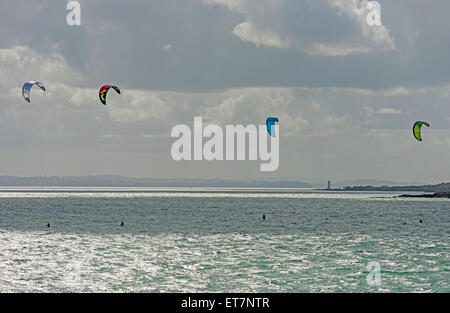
column 214, row 240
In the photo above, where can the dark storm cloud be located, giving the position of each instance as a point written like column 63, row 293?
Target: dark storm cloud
column 125, row 41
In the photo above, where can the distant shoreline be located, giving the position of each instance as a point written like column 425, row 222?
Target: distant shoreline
column 434, row 191
column 432, row 195
column 104, row 181
column 439, row 188
column 123, row 181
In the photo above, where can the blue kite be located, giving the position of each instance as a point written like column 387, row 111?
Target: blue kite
column 27, row 87
column 270, row 123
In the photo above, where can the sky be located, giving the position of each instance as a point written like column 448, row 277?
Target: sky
column 346, row 93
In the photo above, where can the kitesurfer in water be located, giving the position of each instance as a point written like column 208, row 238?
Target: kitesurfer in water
column 48, row 224
column 121, row 224
column 264, row 217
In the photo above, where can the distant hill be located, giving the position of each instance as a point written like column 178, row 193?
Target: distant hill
column 121, row 181
column 442, row 187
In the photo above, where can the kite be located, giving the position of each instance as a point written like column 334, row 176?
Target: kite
column 27, row 87
column 417, row 129
column 104, row 90
column 270, row 122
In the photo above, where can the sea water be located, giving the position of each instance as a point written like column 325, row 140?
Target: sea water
column 215, row 240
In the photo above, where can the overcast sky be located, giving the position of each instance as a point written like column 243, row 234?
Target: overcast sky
column 346, row 93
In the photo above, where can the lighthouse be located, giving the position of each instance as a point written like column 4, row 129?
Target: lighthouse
column 329, row 185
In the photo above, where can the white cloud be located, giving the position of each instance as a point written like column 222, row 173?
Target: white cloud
column 302, row 111
column 321, row 49
column 135, row 125
column 232, row 5
column 357, row 10
column 139, row 106
column 298, row 117
column 399, row 91
column 247, row 32
column 264, row 26
column 109, row 136
column 389, row 111
column 20, row 63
